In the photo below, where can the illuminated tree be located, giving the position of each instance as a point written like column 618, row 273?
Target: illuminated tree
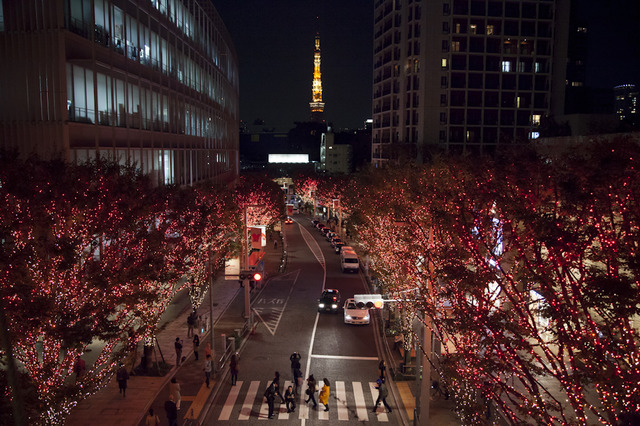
column 526, row 271
column 88, row 255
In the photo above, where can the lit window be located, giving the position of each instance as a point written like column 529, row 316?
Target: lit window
column 536, row 67
column 473, row 29
column 535, row 119
column 444, row 63
column 534, row 135
column 582, row 29
column 457, row 28
column 490, row 29
column 455, row 46
column 520, row 66
column 518, row 101
column 576, row 83
column 506, row 66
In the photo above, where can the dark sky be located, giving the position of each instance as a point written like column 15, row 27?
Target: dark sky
column 613, row 40
column 275, row 39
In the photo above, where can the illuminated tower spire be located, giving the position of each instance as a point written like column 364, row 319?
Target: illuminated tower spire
column 316, row 104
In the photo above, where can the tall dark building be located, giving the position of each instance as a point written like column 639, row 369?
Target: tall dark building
column 465, row 75
column 151, row 82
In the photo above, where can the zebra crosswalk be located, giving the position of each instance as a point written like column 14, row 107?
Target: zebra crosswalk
column 347, row 400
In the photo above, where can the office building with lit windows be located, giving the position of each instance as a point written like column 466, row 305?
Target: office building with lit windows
column 152, row 83
column 465, row 75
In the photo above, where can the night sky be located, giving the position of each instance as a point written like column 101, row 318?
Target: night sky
column 275, row 39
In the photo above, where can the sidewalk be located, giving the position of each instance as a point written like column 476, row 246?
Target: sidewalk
column 144, row 392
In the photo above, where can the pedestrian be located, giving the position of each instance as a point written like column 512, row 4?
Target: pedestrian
column 172, row 411
column 290, row 397
column 270, row 395
column 191, row 322
column 207, row 350
column 196, row 345
column 323, row 397
column 382, row 395
column 79, row 367
column 295, row 363
column 207, row 369
column 276, row 381
column 122, row 376
column 382, row 367
column 297, row 382
column 174, row 390
column 275, row 244
column 311, row 389
column 178, row 347
column 151, row 419
column 233, row 368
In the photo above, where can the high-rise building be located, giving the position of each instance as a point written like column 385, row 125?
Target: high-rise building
column 465, row 75
column 316, row 105
column 152, row 83
column 627, row 104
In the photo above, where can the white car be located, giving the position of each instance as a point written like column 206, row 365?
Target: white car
column 353, row 314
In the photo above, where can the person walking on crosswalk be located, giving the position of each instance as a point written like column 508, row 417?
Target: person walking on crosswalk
column 290, row 397
column 276, row 381
column 324, row 394
column 270, row 396
column 382, row 395
column 311, row 390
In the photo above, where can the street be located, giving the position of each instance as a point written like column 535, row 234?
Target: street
column 286, row 309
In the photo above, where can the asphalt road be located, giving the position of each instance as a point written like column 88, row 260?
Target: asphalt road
column 289, row 321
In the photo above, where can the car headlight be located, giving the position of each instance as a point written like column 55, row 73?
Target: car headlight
column 334, row 306
column 347, row 317
column 321, row 305
column 366, row 317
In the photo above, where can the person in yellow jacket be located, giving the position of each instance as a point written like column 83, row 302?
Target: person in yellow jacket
column 323, row 397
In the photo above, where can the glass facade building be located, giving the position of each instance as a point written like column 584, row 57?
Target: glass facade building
column 151, row 83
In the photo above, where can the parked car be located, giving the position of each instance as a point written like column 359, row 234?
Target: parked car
column 320, row 226
column 315, row 222
column 330, row 235
column 338, row 246
column 353, row 314
column 288, row 221
column 335, row 240
column 329, row 301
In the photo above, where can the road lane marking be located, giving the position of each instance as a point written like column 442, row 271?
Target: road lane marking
column 361, row 404
column 382, row 417
column 341, row 398
column 245, row 411
column 347, row 357
column 225, row 414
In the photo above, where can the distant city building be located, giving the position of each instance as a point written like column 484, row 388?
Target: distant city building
column 465, row 75
column 152, row 83
column 627, row 103
column 316, row 105
column 334, row 158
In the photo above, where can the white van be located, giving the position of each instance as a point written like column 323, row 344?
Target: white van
column 349, row 261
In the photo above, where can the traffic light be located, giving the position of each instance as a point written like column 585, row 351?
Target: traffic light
column 369, row 301
column 251, row 276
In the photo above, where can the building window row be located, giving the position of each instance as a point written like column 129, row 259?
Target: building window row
column 496, row 8
column 497, row 28
column 134, row 39
column 94, row 97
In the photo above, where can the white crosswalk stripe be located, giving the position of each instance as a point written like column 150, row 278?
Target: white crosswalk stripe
column 355, row 399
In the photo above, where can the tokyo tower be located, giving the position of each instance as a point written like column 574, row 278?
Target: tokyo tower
column 316, row 105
